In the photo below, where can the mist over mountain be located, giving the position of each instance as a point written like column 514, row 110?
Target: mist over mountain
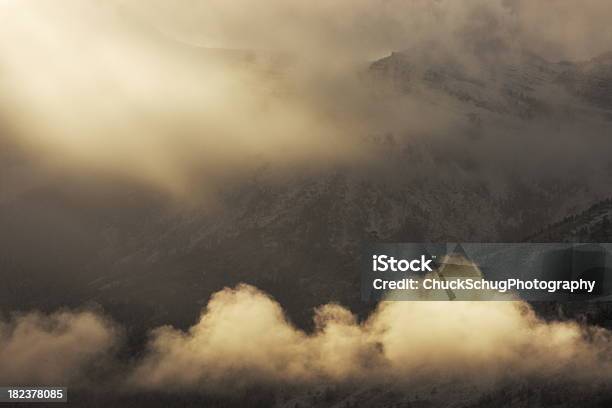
column 467, row 177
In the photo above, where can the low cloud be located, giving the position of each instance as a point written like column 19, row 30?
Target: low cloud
column 55, row 349
column 243, row 339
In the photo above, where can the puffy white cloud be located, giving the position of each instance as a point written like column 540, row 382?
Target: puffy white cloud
column 244, row 339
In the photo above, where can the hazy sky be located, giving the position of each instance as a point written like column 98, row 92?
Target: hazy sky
column 557, row 29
